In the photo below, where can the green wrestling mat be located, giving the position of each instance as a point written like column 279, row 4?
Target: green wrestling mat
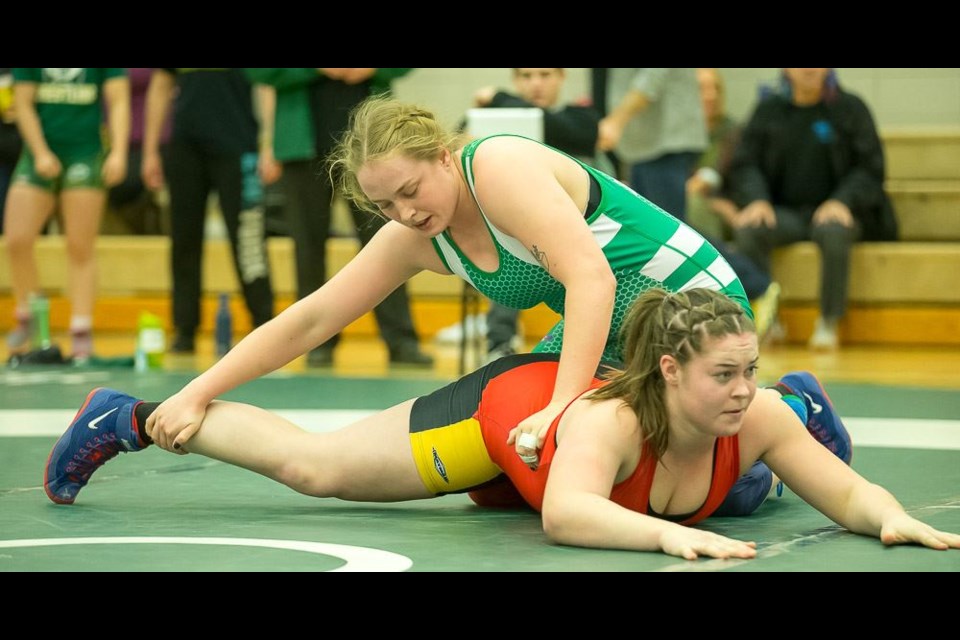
column 158, row 512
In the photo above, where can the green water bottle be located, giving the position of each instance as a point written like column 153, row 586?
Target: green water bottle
column 40, row 318
column 151, row 342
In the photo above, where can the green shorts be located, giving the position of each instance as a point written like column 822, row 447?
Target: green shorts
column 80, row 171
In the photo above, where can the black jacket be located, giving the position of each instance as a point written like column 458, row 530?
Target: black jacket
column 856, row 155
column 571, row 129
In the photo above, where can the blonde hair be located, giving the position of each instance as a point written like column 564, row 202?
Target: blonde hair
column 662, row 323
column 380, row 126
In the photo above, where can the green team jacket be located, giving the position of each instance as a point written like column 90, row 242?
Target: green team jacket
column 293, row 137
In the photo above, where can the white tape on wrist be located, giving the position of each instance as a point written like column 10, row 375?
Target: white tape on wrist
column 528, row 441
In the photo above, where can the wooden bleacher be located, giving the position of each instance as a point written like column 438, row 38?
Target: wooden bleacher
column 904, row 292
column 923, row 179
column 135, row 276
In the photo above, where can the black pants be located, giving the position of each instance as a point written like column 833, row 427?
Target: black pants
column 192, row 172
column 309, row 194
column 501, row 325
column 794, row 225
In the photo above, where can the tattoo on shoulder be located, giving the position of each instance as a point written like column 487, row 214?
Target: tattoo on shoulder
column 541, row 257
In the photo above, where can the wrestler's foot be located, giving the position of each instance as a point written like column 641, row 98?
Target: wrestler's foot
column 823, row 421
column 103, row 427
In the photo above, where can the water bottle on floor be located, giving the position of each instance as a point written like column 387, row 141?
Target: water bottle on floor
column 151, row 342
column 224, row 328
column 40, row 318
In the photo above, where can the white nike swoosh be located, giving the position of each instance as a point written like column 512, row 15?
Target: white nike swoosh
column 93, row 423
column 817, row 408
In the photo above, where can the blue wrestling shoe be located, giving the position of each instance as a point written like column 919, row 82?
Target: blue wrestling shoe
column 102, row 428
column 823, row 421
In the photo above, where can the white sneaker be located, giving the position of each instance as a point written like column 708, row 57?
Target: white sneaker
column 19, row 338
column 778, row 332
column 499, row 352
column 476, row 329
column 824, row 336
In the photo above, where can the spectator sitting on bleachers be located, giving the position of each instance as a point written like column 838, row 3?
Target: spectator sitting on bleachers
column 810, row 165
column 711, row 211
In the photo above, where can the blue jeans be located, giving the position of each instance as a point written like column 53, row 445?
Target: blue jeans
column 663, row 181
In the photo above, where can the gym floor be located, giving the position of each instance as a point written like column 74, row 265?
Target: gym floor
column 159, row 512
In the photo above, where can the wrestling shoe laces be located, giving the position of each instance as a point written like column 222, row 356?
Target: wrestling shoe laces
column 102, row 428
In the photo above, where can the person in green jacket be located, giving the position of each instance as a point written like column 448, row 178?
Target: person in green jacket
column 311, row 110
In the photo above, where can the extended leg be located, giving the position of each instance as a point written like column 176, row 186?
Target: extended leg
column 82, row 212
column 27, row 209
column 370, row 460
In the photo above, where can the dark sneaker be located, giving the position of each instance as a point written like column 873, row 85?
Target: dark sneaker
column 183, row 343
column 823, row 421
column 320, row 357
column 102, row 428
column 500, row 351
column 49, row 355
column 410, row 355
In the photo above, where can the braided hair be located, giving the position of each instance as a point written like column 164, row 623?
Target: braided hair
column 378, row 127
column 662, row 323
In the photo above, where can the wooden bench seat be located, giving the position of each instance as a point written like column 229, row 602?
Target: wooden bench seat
column 895, row 288
column 922, row 153
column 880, row 272
column 899, row 292
column 927, row 210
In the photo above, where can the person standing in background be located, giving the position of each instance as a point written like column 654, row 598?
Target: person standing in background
column 59, row 114
column 213, row 146
column 312, row 106
column 709, row 207
column 130, row 201
column 656, row 125
column 571, row 128
column 10, row 142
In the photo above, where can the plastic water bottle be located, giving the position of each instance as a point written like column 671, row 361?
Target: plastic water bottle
column 224, row 328
column 40, row 319
column 151, row 342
